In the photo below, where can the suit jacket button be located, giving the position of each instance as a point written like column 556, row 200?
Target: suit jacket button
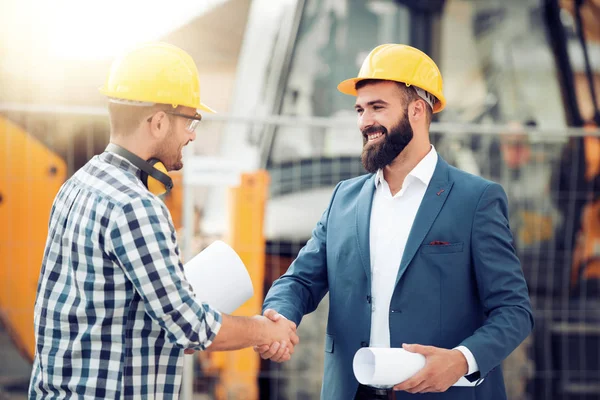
column 364, row 344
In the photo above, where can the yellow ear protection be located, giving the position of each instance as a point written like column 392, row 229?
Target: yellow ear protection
column 153, row 172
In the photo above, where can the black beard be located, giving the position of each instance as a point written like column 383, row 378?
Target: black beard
column 379, row 155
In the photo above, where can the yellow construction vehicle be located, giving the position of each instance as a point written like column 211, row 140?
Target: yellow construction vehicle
column 30, row 177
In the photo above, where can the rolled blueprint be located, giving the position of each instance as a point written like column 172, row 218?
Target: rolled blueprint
column 387, row 367
column 219, row 277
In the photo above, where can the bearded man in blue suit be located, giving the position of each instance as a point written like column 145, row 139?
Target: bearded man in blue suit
column 415, row 254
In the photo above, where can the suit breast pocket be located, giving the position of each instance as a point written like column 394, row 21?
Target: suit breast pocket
column 329, row 343
column 442, row 248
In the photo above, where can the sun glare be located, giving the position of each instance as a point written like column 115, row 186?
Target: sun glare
column 83, row 30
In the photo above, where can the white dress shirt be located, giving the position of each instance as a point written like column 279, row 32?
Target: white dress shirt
column 392, row 218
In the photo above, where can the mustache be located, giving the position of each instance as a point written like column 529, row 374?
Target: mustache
column 374, row 129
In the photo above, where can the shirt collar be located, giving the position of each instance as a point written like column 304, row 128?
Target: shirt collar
column 423, row 171
column 119, row 162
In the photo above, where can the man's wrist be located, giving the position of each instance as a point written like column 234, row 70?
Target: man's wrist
column 462, row 362
column 259, row 329
column 471, row 361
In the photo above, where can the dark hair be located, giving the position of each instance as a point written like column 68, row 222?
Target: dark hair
column 409, row 94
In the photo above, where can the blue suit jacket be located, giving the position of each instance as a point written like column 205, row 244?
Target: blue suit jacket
column 470, row 292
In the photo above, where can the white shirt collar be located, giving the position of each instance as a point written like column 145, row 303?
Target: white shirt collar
column 423, row 171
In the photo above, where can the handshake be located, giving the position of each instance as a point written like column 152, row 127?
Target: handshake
column 272, row 335
column 281, row 337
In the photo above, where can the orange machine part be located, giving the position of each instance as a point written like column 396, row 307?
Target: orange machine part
column 238, row 370
column 30, row 177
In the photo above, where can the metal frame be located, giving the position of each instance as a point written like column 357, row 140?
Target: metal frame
column 558, row 44
column 320, row 122
column 268, row 135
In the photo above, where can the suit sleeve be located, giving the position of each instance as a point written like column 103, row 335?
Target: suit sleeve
column 501, row 286
column 300, row 290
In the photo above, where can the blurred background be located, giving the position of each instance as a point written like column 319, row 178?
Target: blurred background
column 522, row 80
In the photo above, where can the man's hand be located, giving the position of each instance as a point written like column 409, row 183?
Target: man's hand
column 443, row 368
column 278, row 352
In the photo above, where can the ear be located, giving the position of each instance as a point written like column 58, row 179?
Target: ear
column 417, row 111
column 159, row 124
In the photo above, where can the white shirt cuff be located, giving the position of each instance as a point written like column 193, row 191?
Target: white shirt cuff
column 471, row 362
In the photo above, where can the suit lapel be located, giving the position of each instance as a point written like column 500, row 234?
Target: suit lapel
column 435, row 196
column 363, row 222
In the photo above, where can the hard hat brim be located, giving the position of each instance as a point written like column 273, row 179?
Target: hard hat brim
column 349, row 86
column 206, row 108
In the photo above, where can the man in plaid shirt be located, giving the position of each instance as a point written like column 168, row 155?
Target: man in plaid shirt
column 114, row 312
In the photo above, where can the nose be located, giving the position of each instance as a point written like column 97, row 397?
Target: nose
column 365, row 120
column 193, row 136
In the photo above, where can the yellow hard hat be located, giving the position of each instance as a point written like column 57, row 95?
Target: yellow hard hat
column 400, row 63
column 155, row 73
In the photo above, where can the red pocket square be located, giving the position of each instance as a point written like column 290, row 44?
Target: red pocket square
column 439, row 243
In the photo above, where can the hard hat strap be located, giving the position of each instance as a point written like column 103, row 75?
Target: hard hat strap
column 428, row 97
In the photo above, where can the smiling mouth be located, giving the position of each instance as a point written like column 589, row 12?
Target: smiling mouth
column 374, row 136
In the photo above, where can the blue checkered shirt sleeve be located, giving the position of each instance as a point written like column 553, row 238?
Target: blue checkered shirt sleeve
column 143, row 242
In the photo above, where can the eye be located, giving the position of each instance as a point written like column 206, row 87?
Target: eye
column 359, row 111
column 377, row 107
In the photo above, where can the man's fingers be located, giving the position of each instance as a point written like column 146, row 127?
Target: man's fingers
column 271, row 351
column 283, row 350
column 189, row 351
column 418, row 383
column 417, row 348
column 408, row 385
column 286, row 357
column 413, row 382
column 272, row 314
column 294, row 339
column 261, row 349
column 424, row 387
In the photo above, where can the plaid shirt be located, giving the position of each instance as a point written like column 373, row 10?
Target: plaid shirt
column 113, row 311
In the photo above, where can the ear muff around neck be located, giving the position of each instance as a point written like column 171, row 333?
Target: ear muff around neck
column 155, row 182
column 153, row 172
